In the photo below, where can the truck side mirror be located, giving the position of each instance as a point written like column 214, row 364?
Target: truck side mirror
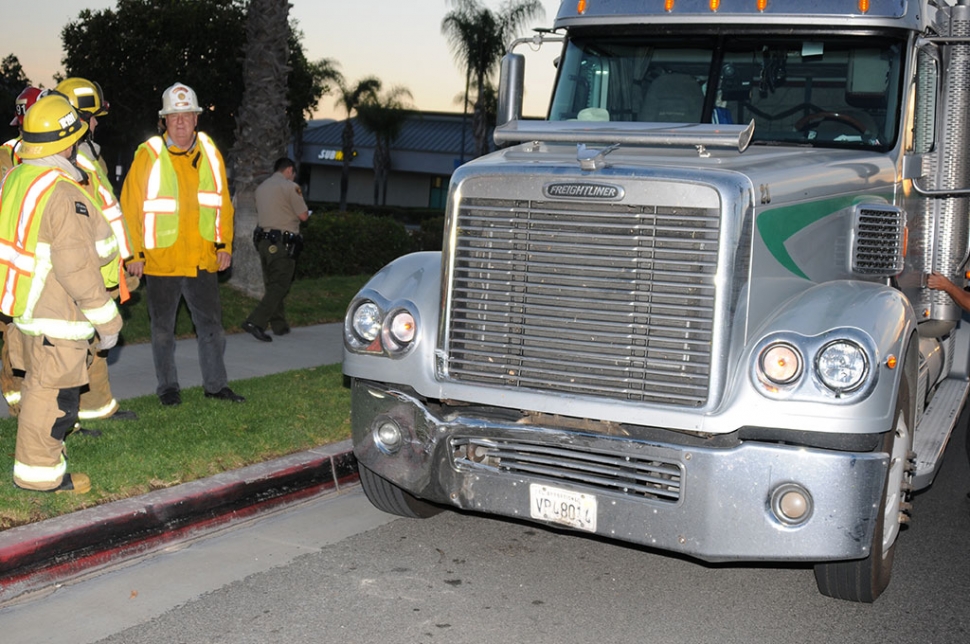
column 510, row 89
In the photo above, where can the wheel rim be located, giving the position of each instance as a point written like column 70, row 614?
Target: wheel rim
column 898, row 474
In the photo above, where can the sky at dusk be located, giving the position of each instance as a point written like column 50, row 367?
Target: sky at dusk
column 399, row 42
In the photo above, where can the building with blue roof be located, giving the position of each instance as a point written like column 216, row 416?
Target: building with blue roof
column 423, row 156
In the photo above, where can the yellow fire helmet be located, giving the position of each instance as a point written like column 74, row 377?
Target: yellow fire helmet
column 86, row 96
column 51, row 125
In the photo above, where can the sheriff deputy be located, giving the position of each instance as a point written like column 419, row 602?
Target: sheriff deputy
column 280, row 208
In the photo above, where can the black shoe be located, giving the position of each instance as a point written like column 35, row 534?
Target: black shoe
column 225, row 394
column 283, row 330
column 255, row 331
column 81, row 431
column 123, row 414
column 170, row 398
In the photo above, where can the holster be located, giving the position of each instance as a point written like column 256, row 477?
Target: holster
column 292, row 242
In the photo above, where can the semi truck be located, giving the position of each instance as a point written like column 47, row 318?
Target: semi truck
column 689, row 308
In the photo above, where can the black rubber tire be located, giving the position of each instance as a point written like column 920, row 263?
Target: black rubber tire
column 387, row 497
column 863, row 580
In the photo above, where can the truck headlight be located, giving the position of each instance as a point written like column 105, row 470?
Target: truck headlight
column 842, row 366
column 367, row 321
column 781, row 363
column 402, row 327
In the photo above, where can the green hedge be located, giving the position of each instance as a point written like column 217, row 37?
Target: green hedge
column 355, row 243
column 350, row 243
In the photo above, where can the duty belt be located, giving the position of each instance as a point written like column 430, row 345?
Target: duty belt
column 292, row 242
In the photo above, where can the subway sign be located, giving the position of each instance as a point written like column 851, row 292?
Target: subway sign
column 334, row 155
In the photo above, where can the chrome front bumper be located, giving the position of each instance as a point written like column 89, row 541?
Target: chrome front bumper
column 711, row 503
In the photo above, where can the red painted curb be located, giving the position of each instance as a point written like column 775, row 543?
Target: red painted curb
column 39, row 554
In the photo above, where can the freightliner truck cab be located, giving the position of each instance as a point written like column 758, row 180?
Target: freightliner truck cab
column 689, row 309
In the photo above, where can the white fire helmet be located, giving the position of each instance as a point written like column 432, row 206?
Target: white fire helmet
column 179, row 98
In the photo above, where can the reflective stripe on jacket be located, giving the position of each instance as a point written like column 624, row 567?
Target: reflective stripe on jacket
column 100, row 190
column 8, row 156
column 22, row 199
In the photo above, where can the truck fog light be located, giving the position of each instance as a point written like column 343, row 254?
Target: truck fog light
column 781, row 363
column 842, row 366
column 791, row 504
column 403, row 327
column 388, row 436
column 367, row 321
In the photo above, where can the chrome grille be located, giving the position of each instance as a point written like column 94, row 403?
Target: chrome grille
column 606, row 300
column 878, row 238
column 652, row 479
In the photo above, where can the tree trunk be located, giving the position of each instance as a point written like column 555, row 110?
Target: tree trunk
column 262, row 130
column 347, row 149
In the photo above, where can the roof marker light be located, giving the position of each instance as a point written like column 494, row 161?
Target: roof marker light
column 715, row 4
column 581, row 6
column 668, row 5
column 863, row 6
column 762, row 5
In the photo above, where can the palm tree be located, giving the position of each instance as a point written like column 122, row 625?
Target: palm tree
column 350, row 99
column 276, row 76
column 314, row 79
column 384, row 116
column 478, row 38
column 262, row 131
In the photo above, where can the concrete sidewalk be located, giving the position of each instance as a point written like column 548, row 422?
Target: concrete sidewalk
column 51, row 552
column 132, row 371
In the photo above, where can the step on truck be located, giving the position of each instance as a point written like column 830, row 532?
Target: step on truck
column 689, row 309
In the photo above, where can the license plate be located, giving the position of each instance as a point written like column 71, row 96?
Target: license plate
column 554, row 504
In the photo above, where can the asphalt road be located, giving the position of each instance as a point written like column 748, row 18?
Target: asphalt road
column 336, row 570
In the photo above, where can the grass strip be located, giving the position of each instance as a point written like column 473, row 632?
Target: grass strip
column 284, row 413
column 311, row 301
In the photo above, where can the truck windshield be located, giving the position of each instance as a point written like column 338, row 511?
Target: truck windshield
column 808, row 90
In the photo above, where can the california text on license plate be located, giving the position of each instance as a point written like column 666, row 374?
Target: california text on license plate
column 554, row 504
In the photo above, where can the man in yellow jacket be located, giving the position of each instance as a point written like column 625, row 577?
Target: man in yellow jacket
column 54, row 242
column 179, row 212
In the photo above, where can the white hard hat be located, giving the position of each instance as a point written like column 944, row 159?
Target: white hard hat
column 179, row 98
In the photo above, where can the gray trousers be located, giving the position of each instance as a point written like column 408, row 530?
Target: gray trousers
column 201, row 294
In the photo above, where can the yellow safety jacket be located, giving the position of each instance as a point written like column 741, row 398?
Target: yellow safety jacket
column 100, row 190
column 26, row 263
column 160, row 208
column 8, row 156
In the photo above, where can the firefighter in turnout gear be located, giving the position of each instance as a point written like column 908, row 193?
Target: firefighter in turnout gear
column 54, row 241
column 9, row 380
column 8, row 151
column 97, row 400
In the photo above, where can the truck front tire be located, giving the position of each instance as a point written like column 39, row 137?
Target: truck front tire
column 387, row 497
column 864, row 580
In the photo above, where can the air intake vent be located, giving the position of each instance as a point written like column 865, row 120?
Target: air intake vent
column 606, row 472
column 878, row 237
